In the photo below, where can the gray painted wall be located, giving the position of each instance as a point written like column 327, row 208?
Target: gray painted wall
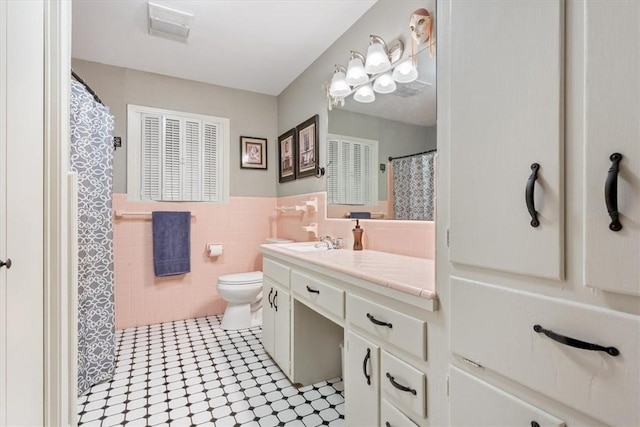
column 251, row 114
column 394, row 138
column 306, row 96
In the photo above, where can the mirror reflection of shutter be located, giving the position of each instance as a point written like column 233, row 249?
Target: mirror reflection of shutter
column 356, row 175
column 345, row 172
column 367, row 175
column 211, row 157
column 151, row 188
column 332, row 172
column 171, row 173
column 192, row 161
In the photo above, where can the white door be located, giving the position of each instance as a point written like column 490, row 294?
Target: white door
column 282, row 326
column 268, row 313
column 506, row 110
column 612, row 114
column 21, row 212
column 362, row 382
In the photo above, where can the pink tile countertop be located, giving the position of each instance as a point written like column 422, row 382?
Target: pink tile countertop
column 415, row 276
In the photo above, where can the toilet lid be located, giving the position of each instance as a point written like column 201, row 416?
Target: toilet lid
column 251, row 277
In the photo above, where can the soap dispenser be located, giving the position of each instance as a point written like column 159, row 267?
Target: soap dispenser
column 357, row 237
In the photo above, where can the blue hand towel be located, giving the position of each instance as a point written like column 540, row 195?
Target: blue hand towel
column 171, row 243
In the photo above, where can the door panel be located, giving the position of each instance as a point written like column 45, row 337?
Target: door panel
column 268, row 318
column 506, row 113
column 282, row 326
column 612, row 61
column 21, row 213
column 361, row 396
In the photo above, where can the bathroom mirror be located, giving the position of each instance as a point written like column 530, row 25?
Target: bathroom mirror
column 398, row 124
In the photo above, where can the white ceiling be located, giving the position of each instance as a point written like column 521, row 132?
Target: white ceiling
column 255, row 45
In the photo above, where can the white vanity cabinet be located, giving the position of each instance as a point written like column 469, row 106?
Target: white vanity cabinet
column 276, row 314
column 537, row 336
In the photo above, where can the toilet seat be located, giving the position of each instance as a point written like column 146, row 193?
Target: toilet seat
column 250, row 278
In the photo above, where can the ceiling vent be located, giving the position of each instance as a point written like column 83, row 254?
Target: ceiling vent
column 407, row 90
column 171, row 23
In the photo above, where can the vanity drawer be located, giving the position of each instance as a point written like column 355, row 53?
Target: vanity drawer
column 406, row 332
column 391, row 416
column 403, row 384
column 494, row 327
column 276, row 271
column 318, row 293
column 477, row 403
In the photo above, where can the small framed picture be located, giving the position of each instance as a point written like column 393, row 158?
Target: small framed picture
column 308, row 148
column 253, row 153
column 287, row 156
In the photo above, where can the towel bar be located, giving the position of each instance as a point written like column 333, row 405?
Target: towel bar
column 122, row 213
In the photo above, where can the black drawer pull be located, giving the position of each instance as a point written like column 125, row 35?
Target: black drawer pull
column 378, row 322
column 364, row 366
column 269, row 298
column 572, row 342
column 387, row 424
column 400, row 386
column 528, row 195
column 535, row 424
column 313, row 291
column 611, row 192
column 275, row 300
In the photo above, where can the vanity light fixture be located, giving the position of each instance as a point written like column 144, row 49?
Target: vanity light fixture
column 356, row 75
column 405, row 72
column 365, row 94
column 339, row 87
column 384, row 83
column 377, row 56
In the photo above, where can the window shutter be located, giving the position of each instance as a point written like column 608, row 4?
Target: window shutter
column 344, row 190
column 171, row 173
column 332, row 171
column 367, row 175
column 192, row 164
column 356, row 175
column 151, row 188
column 211, row 148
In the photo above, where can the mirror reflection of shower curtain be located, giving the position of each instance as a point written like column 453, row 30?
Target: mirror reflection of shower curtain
column 414, row 187
column 91, row 158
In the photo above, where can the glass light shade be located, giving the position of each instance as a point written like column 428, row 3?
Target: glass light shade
column 355, row 73
column 377, row 59
column 365, row 94
column 384, row 84
column 339, row 86
column 405, row 72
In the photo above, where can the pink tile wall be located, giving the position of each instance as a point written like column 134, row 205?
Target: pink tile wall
column 411, row 238
column 143, row 299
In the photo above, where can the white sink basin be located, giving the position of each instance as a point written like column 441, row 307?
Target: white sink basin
column 306, row 246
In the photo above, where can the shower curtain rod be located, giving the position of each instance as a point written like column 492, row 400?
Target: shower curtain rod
column 83, row 83
column 411, row 155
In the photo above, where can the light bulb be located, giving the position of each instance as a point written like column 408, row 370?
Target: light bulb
column 339, row 86
column 405, row 72
column 355, row 72
column 377, row 59
column 365, row 94
column 384, row 84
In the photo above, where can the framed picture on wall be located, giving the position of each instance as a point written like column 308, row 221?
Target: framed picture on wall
column 308, row 147
column 287, row 156
column 253, row 153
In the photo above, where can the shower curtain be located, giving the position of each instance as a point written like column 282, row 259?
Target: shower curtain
column 91, row 158
column 413, row 187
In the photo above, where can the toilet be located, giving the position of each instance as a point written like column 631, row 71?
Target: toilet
column 243, row 294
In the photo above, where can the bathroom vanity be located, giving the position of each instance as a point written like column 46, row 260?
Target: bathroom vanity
column 382, row 306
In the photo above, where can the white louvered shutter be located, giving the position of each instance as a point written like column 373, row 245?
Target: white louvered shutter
column 192, row 164
column 355, row 196
column 344, row 190
column 151, row 188
column 171, row 164
column 332, row 171
column 367, row 175
column 211, row 157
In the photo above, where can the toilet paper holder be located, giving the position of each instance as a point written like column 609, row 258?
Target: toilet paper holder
column 213, row 249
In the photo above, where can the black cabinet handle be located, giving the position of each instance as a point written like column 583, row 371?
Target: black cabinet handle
column 313, row 291
column 275, row 300
column 535, row 424
column 378, row 322
column 269, row 298
column 387, row 424
column 364, row 366
column 6, row 263
column 572, row 342
column 528, row 195
column 611, row 192
column 400, row 386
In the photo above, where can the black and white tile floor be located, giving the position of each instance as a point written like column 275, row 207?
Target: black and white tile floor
column 192, row 373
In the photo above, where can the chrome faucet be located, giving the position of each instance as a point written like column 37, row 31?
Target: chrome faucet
column 330, row 242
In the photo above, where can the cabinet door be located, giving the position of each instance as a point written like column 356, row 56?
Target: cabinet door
column 282, row 329
column 268, row 314
column 506, row 113
column 361, row 382
column 612, row 111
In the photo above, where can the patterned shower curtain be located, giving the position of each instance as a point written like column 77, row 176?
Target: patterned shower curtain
column 91, row 159
column 414, row 187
